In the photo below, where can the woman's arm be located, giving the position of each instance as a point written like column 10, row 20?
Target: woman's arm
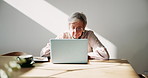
column 99, row 51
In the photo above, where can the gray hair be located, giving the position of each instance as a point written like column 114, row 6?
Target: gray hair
column 79, row 16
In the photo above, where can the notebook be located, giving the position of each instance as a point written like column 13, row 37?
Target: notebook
column 69, row 50
column 40, row 59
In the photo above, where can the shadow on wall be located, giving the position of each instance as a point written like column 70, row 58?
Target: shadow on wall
column 141, row 57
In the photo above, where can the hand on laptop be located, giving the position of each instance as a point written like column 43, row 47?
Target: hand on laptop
column 46, row 51
column 47, row 54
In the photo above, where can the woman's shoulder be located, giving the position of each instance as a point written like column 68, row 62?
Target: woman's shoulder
column 88, row 32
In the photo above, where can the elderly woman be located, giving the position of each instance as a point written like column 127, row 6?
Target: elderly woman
column 77, row 24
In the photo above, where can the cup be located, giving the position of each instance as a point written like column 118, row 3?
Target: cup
column 25, row 60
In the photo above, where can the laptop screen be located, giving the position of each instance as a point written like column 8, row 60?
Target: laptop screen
column 69, row 50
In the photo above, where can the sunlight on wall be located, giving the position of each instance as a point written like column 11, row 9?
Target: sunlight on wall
column 51, row 18
column 43, row 13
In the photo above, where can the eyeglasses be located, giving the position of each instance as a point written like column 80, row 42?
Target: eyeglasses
column 78, row 28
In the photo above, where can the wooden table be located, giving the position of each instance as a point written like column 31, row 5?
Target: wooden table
column 116, row 68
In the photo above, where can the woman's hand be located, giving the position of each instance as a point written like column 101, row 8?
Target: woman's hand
column 98, row 54
column 46, row 51
column 101, row 53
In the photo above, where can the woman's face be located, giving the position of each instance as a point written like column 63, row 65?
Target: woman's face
column 76, row 28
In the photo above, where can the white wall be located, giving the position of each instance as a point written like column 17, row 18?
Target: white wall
column 19, row 33
column 123, row 22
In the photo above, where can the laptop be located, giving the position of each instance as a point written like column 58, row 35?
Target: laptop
column 69, row 50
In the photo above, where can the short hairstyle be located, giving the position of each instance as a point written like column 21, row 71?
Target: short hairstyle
column 79, row 16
